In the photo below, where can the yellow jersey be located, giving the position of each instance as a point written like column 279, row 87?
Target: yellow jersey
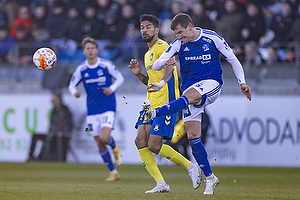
column 170, row 91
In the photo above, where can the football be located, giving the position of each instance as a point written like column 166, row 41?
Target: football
column 44, row 58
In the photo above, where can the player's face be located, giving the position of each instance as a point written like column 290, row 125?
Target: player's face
column 90, row 51
column 148, row 31
column 184, row 34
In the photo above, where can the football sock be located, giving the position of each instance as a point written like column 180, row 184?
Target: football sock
column 169, row 153
column 200, row 155
column 173, row 107
column 149, row 163
column 161, row 182
column 112, row 142
column 107, row 159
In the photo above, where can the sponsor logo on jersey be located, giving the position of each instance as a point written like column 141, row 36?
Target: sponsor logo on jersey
column 86, row 75
column 151, row 57
column 96, row 80
column 201, row 57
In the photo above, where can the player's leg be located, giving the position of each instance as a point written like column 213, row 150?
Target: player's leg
column 163, row 127
column 107, row 120
column 193, row 129
column 190, row 96
column 192, row 119
column 100, row 127
column 116, row 150
column 104, row 140
column 147, row 157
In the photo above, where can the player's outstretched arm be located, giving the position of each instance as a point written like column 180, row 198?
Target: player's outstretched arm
column 168, row 70
column 246, row 90
column 137, row 71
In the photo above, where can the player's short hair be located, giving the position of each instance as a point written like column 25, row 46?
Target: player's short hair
column 89, row 40
column 151, row 18
column 181, row 19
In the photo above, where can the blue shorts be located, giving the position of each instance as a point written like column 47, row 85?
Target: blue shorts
column 162, row 126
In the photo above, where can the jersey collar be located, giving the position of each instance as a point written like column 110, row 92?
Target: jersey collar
column 94, row 65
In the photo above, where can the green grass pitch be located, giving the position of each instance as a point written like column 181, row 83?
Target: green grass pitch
column 46, row 180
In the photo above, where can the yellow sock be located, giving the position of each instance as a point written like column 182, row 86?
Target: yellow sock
column 169, row 153
column 149, row 163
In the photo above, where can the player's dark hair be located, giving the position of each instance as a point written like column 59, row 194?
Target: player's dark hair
column 151, row 18
column 89, row 40
column 181, row 19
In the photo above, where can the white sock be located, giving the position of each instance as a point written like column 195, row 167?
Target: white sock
column 161, row 182
column 190, row 167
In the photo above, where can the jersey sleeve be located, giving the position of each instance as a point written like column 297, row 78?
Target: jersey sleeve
column 169, row 53
column 75, row 80
column 117, row 76
column 228, row 54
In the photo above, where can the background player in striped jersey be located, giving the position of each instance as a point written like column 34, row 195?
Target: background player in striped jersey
column 200, row 67
column 97, row 75
column 150, row 135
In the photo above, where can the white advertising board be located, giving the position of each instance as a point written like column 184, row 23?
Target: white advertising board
column 263, row 132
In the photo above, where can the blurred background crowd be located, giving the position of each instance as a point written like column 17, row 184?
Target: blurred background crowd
column 264, row 34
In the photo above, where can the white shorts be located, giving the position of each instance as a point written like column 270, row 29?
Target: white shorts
column 96, row 122
column 210, row 91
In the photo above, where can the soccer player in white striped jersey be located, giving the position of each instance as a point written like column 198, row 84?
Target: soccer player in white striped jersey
column 100, row 78
column 200, row 67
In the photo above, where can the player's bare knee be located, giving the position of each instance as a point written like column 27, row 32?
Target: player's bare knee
column 104, row 140
column 140, row 142
column 193, row 96
column 153, row 148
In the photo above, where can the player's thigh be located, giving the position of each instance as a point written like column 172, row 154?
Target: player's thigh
column 97, row 122
column 209, row 91
column 193, row 129
column 164, row 126
column 155, row 142
column 143, row 132
column 105, row 134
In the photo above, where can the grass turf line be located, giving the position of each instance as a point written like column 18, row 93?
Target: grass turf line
column 50, row 180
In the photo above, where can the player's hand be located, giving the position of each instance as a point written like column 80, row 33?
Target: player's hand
column 246, row 90
column 154, row 87
column 135, row 67
column 77, row 94
column 170, row 61
column 107, row 91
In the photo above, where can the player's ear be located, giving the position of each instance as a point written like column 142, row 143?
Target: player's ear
column 190, row 26
column 156, row 30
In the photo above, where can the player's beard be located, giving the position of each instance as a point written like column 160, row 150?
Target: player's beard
column 148, row 39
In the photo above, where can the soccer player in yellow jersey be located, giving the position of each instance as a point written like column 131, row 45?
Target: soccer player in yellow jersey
column 150, row 135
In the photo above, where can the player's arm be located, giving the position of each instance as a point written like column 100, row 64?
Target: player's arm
column 137, row 71
column 166, row 57
column 228, row 54
column 168, row 71
column 75, row 80
column 117, row 76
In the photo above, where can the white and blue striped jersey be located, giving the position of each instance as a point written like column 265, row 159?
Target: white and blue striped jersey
column 200, row 59
column 94, row 77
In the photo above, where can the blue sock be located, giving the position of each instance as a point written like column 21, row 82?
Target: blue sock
column 112, row 142
column 200, row 155
column 107, row 159
column 173, row 107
